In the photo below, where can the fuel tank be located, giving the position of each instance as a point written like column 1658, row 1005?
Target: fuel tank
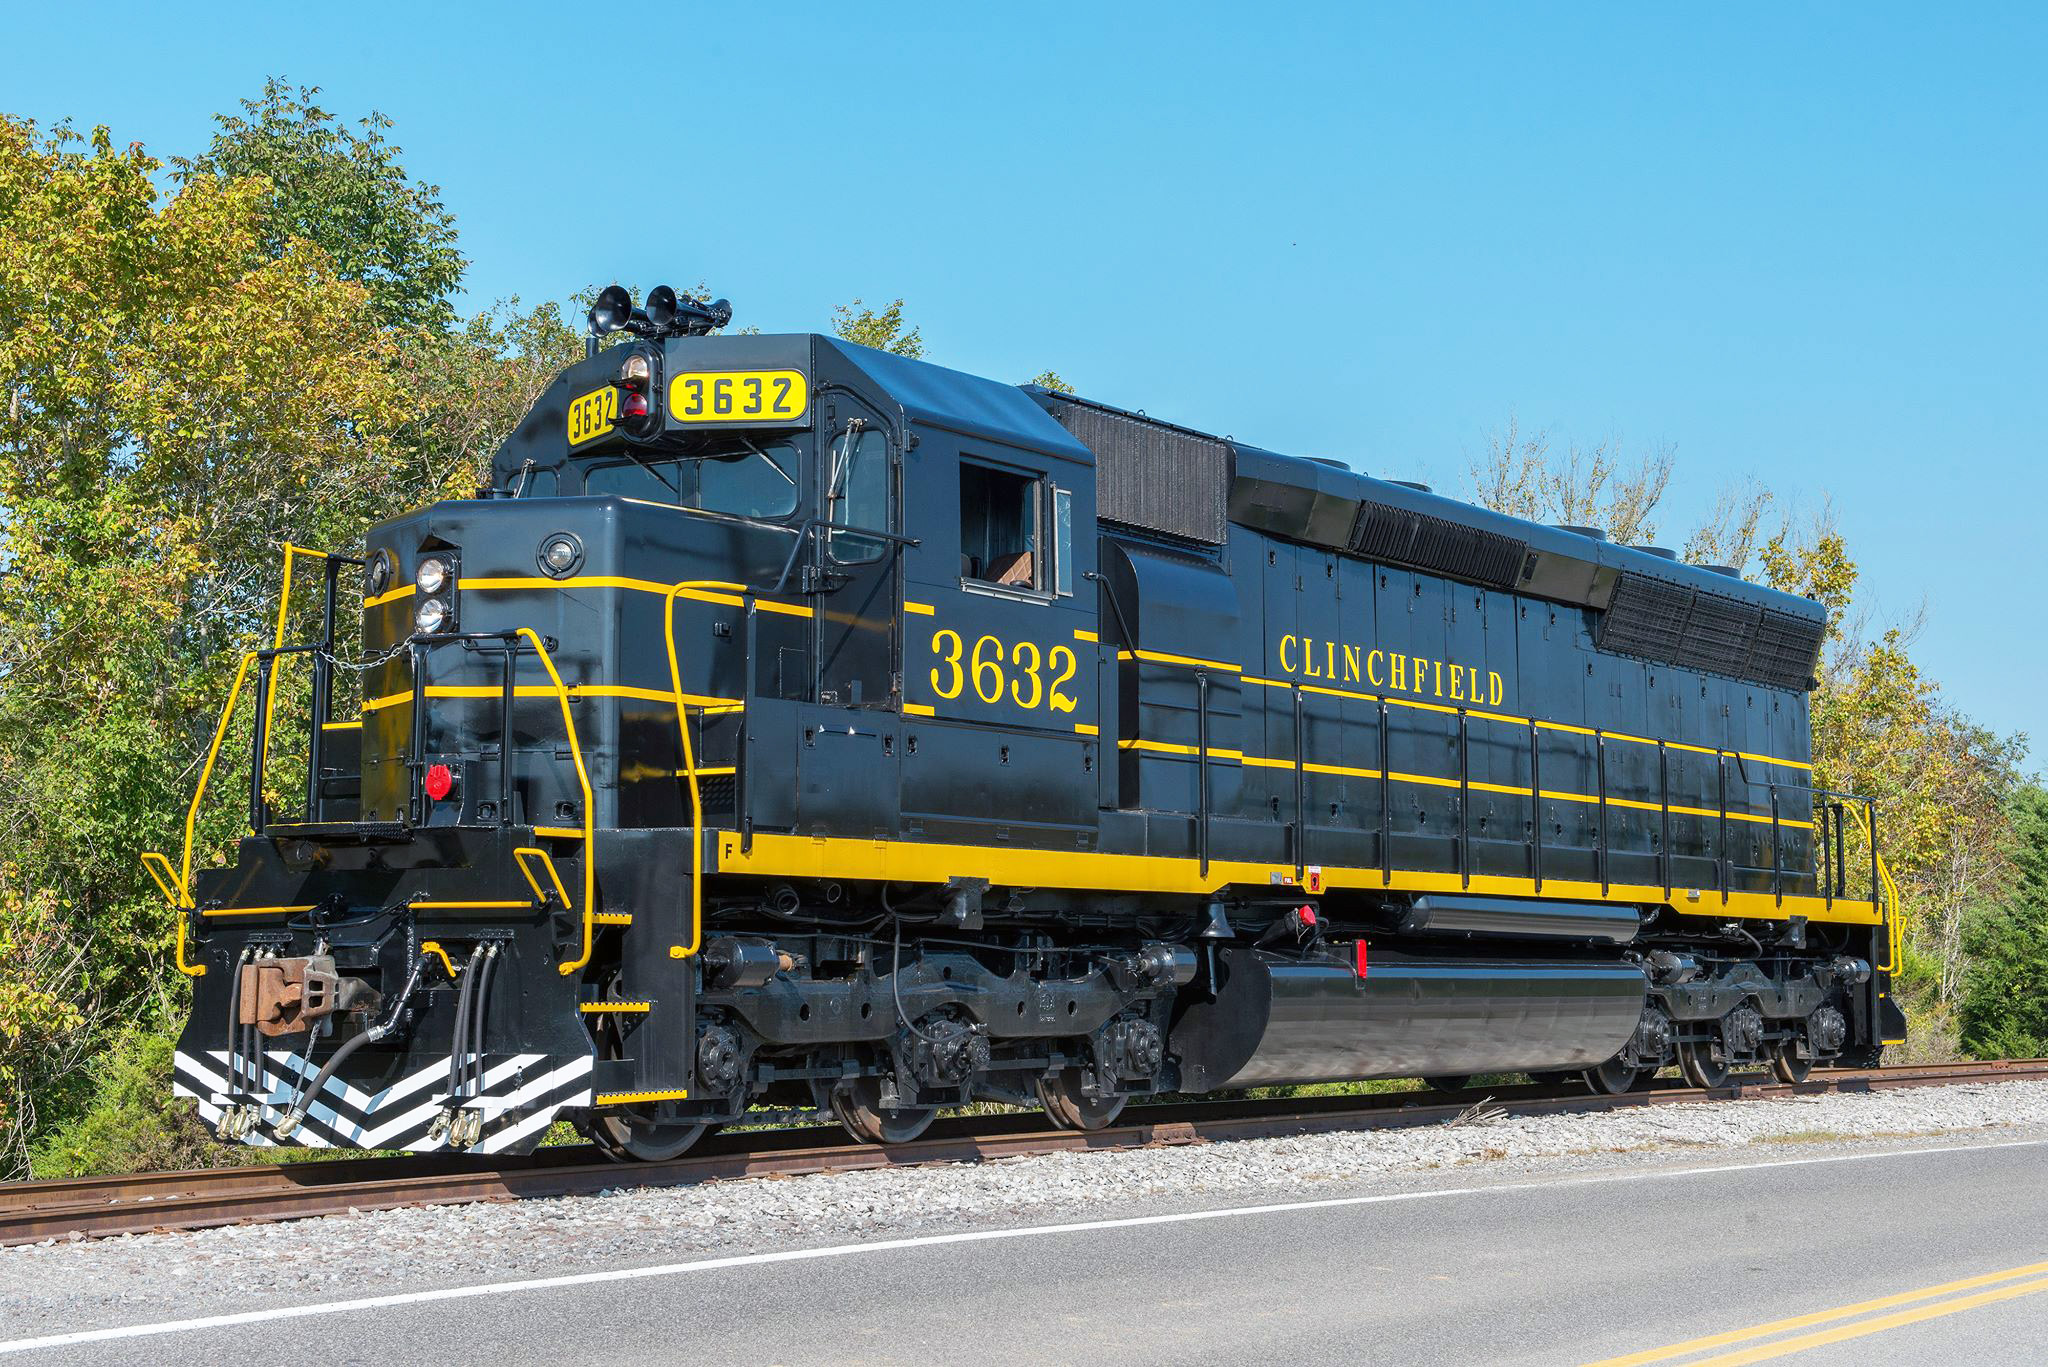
column 1275, row 1019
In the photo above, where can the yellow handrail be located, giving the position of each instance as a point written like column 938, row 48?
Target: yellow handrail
column 1895, row 912
column 675, row 678
column 589, row 816
column 183, row 902
column 540, row 897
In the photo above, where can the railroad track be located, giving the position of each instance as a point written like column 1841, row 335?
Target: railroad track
column 99, row 1207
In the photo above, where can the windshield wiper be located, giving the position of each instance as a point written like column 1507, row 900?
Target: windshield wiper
column 650, row 467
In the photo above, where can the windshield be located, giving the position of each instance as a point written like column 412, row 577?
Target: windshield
column 743, row 478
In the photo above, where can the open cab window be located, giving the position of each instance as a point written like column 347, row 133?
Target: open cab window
column 1016, row 531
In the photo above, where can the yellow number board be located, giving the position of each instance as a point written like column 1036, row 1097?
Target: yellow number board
column 738, row 396
column 592, row 415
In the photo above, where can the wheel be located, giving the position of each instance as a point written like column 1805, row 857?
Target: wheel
column 1066, row 1106
column 1703, row 1062
column 1452, row 1082
column 1786, row 1064
column 1612, row 1078
column 634, row 1137
column 857, row 1101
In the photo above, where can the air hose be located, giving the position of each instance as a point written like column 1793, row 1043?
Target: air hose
column 291, row 1118
column 461, row 1031
column 488, row 972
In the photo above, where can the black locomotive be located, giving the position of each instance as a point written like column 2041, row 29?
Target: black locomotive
column 794, row 726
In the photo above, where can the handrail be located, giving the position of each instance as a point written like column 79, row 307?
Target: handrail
column 183, row 902
column 675, row 678
column 1895, row 911
column 589, row 815
column 284, row 605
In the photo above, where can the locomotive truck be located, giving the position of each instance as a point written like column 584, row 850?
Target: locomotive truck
column 797, row 728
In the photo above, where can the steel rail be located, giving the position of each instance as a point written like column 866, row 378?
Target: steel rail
column 99, row 1207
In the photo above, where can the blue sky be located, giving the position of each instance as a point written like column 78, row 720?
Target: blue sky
column 1804, row 244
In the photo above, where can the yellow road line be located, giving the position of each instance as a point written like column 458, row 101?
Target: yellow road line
column 1733, row 1336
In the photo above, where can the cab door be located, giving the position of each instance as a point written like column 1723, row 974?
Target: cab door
column 854, row 555
column 999, row 690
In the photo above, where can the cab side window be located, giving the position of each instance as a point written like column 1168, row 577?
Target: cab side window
column 1002, row 529
column 858, row 496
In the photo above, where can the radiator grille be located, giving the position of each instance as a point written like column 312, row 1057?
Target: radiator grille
column 1152, row 475
column 1655, row 619
column 1393, row 536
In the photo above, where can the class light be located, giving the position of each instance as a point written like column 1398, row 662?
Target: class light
column 377, row 574
column 432, row 576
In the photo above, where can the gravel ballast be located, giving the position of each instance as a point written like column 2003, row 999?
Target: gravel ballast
column 68, row 1285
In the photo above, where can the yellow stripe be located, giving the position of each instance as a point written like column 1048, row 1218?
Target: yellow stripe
column 1160, row 657
column 1082, row 728
column 630, row 1098
column 918, row 709
column 253, row 911
column 598, row 1008
column 613, row 581
column 559, row 832
column 577, row 693
column 341, row 726
column 1081, row 635
column 1160, row 747
column 391, row 596
column 1505, row 718
column 1342, row 770
column 613, row 918
column 840, row 857
column 1793, row 1345
column 919, row 609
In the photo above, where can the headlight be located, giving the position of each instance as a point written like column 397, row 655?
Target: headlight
column 560, row 554
column 432, row 576
column 431, row 615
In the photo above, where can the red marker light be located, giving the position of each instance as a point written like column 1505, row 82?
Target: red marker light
column 1361, row 958
column 440, row 781
column 633, row 406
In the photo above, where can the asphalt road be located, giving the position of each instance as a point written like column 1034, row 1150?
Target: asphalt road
column 1523, row 1271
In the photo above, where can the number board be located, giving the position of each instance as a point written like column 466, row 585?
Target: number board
column 735, row 396
column 592, row 415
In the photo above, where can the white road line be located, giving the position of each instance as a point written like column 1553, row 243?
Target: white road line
column 795, row 1255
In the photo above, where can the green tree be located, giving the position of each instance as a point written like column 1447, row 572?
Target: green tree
column 184, row 390
column 2004, row 1007
column 344, row 190
column 1050, row 379
column 882, row 328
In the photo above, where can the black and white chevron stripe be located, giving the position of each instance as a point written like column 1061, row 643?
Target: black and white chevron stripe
column 521, row 1095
